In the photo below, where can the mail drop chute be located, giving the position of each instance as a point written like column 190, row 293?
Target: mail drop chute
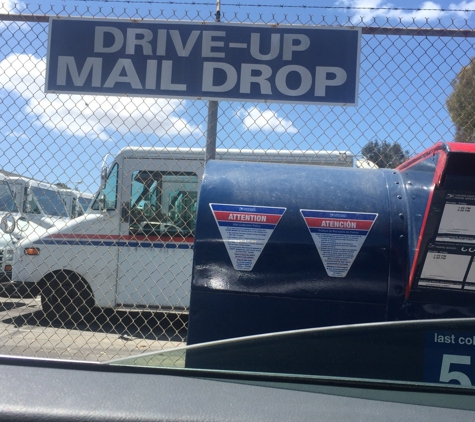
column 215, row 61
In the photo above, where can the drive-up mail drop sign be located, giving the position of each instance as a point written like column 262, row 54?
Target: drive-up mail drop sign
column 313, row 65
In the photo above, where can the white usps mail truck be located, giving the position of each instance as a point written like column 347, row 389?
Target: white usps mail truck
column 13, row 228
column 34, row 206
column 36, row 201
column 134, row 246
column 27, row 207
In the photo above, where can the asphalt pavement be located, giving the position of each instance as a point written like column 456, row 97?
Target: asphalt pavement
column 106, row 335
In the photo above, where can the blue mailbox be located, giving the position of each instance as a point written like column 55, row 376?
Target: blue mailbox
column 281, row 247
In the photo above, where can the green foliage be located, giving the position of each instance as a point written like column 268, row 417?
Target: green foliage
column 62, row 185
column 461, row 103
column 385, row 155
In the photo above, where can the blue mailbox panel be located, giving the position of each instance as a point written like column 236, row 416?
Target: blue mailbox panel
column 281, row 247
column 269, row 235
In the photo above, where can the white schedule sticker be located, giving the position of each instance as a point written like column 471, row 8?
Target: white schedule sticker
column 245, row 230
column 458, row 219
column 444, row 266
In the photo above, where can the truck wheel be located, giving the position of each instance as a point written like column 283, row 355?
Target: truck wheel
column 66, row 297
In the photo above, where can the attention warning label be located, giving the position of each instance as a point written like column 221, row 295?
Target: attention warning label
column 245, row 230
column 338, row 237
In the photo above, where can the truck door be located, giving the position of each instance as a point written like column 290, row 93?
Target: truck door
column 157, row 232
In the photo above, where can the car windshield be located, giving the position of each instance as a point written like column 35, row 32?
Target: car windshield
column 431, row 351
column 278, row 189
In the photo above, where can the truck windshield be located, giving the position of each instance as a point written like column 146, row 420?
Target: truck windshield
column 7, row 203
column 51, row 202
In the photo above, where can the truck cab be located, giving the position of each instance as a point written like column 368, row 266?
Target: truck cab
column 13, row 228
column 34, row 207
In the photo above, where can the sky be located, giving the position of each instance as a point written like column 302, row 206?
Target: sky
column 404, row 82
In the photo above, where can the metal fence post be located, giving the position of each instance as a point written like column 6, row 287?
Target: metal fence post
column 211, row 131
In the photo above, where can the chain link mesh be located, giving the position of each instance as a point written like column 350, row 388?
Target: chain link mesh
column 121, row 288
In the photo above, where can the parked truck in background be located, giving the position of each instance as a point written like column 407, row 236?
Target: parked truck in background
column 13, row 228
column 34, row 207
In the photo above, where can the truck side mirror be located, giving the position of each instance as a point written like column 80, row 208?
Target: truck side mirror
column 28, row 193
column 102, row 202
column 8, row 223
column 103, row 176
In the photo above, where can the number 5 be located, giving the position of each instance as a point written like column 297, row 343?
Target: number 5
column 446, row 375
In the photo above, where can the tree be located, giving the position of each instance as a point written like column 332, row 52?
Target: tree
column 62, row 185
column 385, row 155
column 461, row 103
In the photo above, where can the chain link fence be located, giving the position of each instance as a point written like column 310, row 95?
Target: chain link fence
column 117, row 283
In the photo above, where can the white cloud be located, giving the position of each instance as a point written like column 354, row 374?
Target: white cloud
column 11, row 6
column 266, row 120
column 17, row 135
column 367, row 10
column 463, row 6
column 89, row 115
